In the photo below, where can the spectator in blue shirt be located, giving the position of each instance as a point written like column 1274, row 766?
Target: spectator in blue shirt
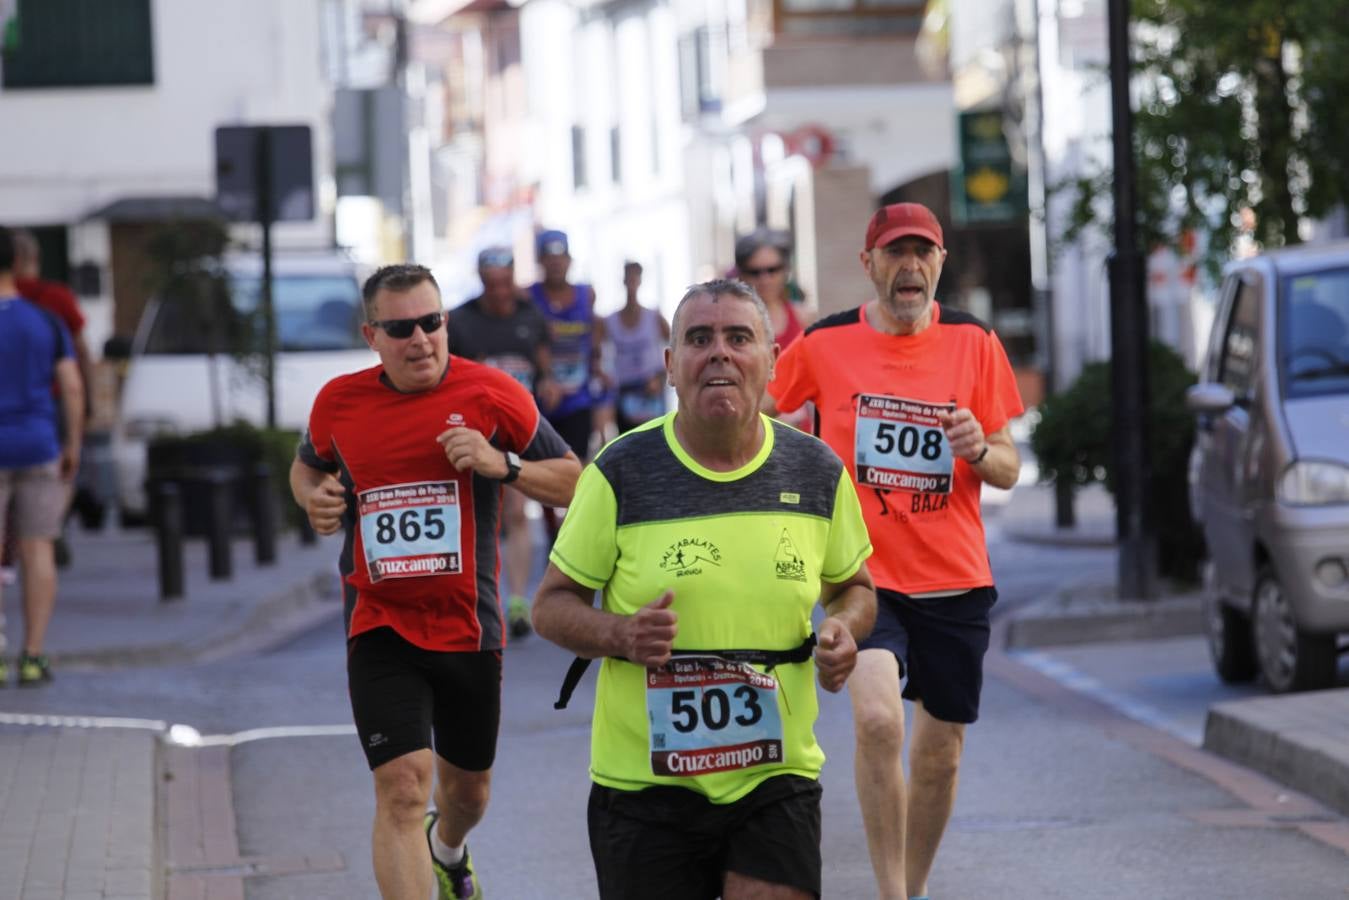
column 38, row 460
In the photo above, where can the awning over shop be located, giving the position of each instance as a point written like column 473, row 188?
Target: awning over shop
column 156, row 209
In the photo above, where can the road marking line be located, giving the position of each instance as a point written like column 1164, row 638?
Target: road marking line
column 178, row 734
column 1083, row 683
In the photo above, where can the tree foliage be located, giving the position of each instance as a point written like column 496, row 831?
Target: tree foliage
column 1241, row 105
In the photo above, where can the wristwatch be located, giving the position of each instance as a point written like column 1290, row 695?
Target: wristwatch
column 512, row 467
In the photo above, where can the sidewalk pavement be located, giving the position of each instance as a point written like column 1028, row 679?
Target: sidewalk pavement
column 78, row 804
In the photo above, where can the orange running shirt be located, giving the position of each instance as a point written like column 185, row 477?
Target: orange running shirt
column 877, row 396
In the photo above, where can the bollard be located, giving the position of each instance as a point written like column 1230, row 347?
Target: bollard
column 264, row 516
column 220, row 516
column 167, row 508
column 308, row 536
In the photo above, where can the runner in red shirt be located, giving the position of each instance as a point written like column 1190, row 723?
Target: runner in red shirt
column 408, row 459
column 916, row 398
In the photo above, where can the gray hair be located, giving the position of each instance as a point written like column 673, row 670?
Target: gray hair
column 723, row 287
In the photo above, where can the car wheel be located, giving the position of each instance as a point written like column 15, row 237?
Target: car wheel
column 1230, row 643
column 1290, row 659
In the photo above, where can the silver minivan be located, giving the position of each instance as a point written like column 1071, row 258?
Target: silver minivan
column 1269, row 474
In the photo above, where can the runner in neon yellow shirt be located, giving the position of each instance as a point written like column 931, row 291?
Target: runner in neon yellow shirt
column 712, row 533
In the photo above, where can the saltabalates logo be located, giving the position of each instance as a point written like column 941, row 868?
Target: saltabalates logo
column 688, row 555
column 787, row 561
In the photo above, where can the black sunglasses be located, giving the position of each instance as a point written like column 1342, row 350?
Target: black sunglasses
column 766, row 270
column 403, row 328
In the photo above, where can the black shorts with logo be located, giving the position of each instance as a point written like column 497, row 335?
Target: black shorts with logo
column 402, row 696
column 672, row 843
column 940, row 644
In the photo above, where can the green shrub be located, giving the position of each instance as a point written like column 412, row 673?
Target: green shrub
column 1073, row 442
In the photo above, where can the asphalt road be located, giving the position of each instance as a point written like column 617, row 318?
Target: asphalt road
column 1061, row 795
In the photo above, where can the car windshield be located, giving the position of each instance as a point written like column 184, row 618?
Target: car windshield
column 313, row 312
column 1314, row 337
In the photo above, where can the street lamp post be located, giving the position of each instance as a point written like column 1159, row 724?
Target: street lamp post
column 1128, row 340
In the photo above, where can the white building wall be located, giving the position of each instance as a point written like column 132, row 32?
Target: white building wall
column 598, row 71
column 249, row 61
column 245, row 62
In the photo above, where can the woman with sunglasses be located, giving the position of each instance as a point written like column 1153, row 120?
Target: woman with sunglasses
column 763, row 261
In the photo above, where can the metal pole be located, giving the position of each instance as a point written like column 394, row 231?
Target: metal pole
column 265, row 217
column 1129, row 340
column 168, row 519
column 220, row 522
column 264, row 516
column 1041, row 279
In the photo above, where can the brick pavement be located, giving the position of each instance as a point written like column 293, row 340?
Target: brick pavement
column 77, row 814
column 79, row 806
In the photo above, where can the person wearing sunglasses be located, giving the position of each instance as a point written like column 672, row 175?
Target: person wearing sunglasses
column 409, row 458
column 763, row 261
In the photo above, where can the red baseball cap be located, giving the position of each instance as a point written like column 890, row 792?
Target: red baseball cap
column 902, row 220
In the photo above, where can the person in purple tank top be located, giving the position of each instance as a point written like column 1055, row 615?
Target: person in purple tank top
column 638, row 336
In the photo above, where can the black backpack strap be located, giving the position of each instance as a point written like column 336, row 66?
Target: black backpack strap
column 769, row 658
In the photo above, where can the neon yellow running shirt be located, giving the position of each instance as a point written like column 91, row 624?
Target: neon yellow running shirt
column 744, row 553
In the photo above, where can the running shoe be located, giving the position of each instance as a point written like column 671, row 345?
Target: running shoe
column 517, row 614
column 458, row 882
column 34, row 670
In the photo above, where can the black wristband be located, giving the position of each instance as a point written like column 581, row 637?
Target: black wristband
column 982, row 453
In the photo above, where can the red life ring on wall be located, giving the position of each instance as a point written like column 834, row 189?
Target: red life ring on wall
column 814, row 142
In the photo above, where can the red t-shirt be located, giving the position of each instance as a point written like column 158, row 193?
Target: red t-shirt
column 55, row 297
column 877, row 396
column 421, row 538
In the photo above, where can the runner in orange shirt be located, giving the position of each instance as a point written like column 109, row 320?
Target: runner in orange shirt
column 916, row 398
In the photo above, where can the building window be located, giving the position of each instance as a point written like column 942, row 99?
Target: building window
column 578, row 156
column 701, row 61
column 80, row 43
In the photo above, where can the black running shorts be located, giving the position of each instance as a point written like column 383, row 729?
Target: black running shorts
column 940, row 644
column 671, row 843
column 402, row 695
column 575, row 428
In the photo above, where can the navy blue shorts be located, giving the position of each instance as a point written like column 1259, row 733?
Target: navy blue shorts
column 672, row 843
column 940, row 644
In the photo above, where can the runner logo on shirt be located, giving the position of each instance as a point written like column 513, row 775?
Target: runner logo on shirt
column 788, row 563
column 901, row 446
column 686, row 556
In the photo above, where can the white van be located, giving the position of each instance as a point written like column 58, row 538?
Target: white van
column 174, row 386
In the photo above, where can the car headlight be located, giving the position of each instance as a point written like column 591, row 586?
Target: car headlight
column 1314, row 483
column 143, row 429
